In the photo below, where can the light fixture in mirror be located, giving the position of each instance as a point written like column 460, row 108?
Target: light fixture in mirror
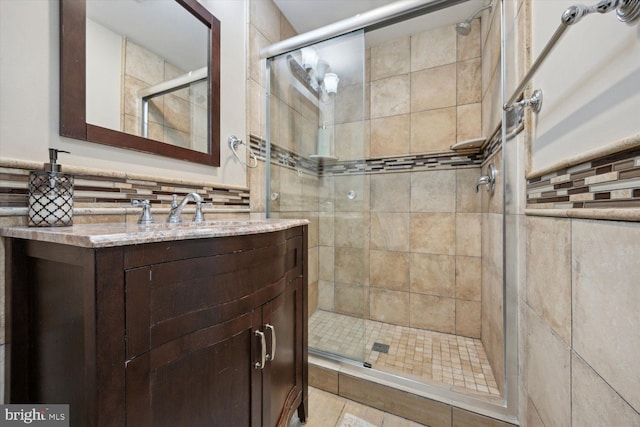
column 152, row 76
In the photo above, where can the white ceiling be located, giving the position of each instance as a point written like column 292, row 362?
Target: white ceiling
column 307, row 15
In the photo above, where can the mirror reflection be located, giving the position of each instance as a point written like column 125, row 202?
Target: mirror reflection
column 147, row 71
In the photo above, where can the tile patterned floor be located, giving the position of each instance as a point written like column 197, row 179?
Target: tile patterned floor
column 329, row 410
column 456, row 361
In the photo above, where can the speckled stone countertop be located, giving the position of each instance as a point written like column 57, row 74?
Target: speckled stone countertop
column 121, row 234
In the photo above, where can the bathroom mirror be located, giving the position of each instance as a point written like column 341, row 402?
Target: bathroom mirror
column 121, row 86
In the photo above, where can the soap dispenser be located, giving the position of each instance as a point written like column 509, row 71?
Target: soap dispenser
column 50, row 195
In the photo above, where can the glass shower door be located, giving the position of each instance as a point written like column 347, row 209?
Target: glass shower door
column 316, row 120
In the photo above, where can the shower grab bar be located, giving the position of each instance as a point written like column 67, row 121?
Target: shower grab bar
column 628, row 11
column 234, row 143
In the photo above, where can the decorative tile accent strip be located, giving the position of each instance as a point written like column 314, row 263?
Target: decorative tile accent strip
column 98, row 190
column 612, row 181
column 408, row 163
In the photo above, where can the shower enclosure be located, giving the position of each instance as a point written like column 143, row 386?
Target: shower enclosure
column 405, row 243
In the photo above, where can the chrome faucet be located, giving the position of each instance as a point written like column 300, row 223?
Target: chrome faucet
column 176, row 209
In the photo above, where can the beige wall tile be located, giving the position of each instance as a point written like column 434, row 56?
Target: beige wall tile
column 350, row 141
column 326, row 229
column 469, row 81
column 256, row 42
column 389, row 306
column 467, row 200
column 323, row 378
column 312, row 270
column 389, row 270
column 433, row 274
column 326, row 263
column 348, row 104
column 143, row 64
column 469, row 234
column 352, row 229
column 390, row 135
column 350, row 299
column 433, row 233
column 468, row 278
column 360, row 185
column 606, row 297
column 326, row 295
column 468, row 321
column 390, row 97
column 390, row 231
column 286, row 29
column 433, row 191
column 312, row 298
column 391, row 58
column 468, row 122
column 433, row 48
column 264, row 14
column 433, row 131
column 469, row 46
column 462, row 418
column 351, row 265
column 390, row 192
column 433, row 88
column 594, row 402
column 407, row 405
column 433, row 313
column 547, row 371
column 548, row 266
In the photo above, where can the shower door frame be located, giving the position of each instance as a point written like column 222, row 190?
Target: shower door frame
column 508, row 409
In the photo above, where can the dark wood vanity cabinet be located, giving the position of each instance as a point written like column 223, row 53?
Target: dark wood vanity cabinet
column 204, row 332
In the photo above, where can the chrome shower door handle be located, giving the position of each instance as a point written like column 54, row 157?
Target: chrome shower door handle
column 272, row 355
column 263, row 351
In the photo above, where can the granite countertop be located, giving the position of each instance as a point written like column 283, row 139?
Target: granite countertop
column 122, row 234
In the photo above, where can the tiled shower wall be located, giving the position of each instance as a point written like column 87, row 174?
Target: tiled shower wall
column 405, row 251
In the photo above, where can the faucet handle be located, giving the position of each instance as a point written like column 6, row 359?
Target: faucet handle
column 145, row 216
column 199, row 216
column 174, row 202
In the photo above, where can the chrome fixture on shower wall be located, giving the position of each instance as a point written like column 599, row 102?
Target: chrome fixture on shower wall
column 464, row 28
column 488, row 180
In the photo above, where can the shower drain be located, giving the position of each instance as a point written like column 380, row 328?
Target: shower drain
column 381, row 348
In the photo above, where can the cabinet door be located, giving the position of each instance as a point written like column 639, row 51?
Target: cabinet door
column 206, row 378
column 283, row 372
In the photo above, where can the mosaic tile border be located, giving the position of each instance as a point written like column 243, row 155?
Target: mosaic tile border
column 112, row 191
column 611, row 181
column 407, row 163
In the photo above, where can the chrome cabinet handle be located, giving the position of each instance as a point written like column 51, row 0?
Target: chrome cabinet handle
column 263, row 351
column 273, row 341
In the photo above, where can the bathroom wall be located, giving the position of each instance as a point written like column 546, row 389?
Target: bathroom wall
column 575, row 266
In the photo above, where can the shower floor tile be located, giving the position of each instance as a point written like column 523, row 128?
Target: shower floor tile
column 457, row 361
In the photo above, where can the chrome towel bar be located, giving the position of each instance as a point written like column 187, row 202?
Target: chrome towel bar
column 628, row 11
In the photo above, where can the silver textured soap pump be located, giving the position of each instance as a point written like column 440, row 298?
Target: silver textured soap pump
column 50, row 195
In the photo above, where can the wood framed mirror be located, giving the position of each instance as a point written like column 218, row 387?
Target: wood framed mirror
column 73, row 91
